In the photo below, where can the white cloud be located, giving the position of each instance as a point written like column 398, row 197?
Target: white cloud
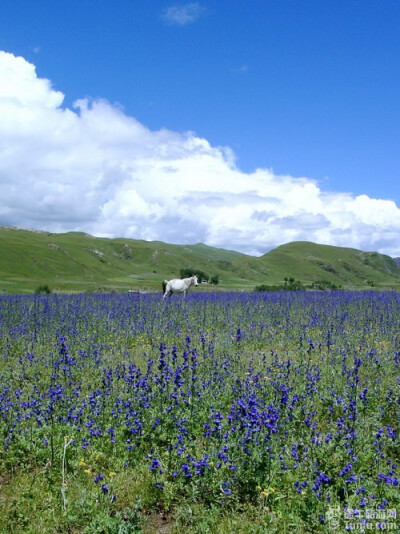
column 182, row 15
column 95, row 169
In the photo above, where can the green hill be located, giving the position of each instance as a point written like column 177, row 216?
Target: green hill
column 76, row 261
column 347, row 267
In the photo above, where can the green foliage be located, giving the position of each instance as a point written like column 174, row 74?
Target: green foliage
column 323, row 285
column 267, row 287
column 187, row 272
column 43, row 289
column 290, row 284
column 125, row 522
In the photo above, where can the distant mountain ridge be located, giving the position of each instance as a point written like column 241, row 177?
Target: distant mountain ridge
column 80, row 262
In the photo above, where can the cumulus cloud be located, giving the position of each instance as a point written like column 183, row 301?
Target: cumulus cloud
column 95, row 169
column 182, row 15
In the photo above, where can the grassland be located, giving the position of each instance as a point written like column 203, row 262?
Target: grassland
column 78, row 262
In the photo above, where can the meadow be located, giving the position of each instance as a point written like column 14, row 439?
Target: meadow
column 224, row 412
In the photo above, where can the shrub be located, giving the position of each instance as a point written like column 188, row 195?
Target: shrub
column 43, row 289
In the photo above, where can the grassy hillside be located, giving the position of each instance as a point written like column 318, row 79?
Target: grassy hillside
column 78, row 262
column 346, row 267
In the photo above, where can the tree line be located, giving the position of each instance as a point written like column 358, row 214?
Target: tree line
column 187, row 272
column 290, row 284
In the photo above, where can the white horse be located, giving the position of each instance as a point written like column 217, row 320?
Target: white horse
column 178, row 286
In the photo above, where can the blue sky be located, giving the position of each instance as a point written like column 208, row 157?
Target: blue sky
column 307, row 91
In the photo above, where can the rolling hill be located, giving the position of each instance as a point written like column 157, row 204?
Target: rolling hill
column 76, row 261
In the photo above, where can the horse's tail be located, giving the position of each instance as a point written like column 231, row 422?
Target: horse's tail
column 164, row 285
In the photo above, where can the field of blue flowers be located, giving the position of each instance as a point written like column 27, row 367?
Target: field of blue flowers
column 228, row 412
